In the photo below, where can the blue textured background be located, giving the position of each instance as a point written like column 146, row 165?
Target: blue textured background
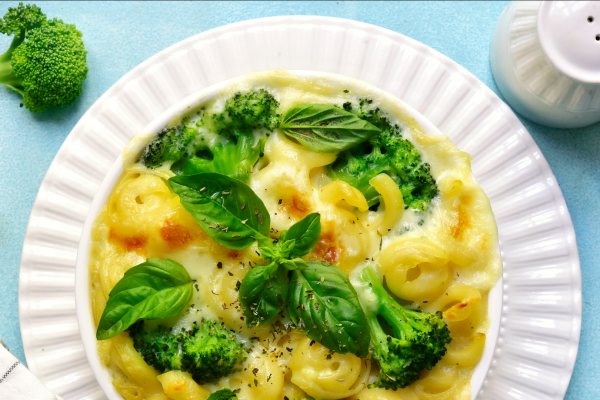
column 119, row 36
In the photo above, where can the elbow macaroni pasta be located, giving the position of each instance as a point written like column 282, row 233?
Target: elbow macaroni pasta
column 392, row 200
column 443, row 260
column 323, row 377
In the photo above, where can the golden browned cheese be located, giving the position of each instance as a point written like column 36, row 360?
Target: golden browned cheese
column 448, row 262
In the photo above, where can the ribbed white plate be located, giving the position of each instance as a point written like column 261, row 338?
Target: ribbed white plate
column 541, row 322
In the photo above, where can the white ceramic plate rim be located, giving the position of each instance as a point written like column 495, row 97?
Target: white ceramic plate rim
column 87, row 325
column 537, row 345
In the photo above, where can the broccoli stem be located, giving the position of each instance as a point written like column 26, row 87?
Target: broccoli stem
column 378, row 336
column 7, row 75
column 391, row 311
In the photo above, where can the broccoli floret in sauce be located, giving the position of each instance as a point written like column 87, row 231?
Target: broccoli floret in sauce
column 224, row 142
column 208, row 352
column 387, row 153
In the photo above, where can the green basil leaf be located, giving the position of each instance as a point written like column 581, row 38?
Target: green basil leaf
column 324, row 304
column 227, row 209
column 223, row 394
column 263, row 293
column 326, row 128
column 294, row 264
column 154, row 289
column 306, row 233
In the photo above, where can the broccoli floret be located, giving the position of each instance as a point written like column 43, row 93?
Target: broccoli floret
column 404, row 342
column 46, row 61
column 211, row 352
column 170, row 144
column 246, row 111
column 160, row 348
column 224, row 142
column 386, row 153
column 208, row 352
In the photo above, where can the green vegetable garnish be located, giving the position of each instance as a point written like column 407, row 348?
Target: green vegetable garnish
column 325, row 128
column 227, row 210
column 305, row 233
column 404, row 342
column 323, row 302
column 155, row 289
column 226, row 144
column 208, row 351
column 263, row 293
column 239, row 218
column 46, row 61
column 387, row 153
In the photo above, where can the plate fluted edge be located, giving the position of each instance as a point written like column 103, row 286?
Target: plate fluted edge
column 540, row 327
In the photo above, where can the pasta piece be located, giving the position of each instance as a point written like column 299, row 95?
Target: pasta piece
column 456, row 303
column 342, row 242
column 280, row 149
column 134, row 367
column 392, row 200
column 290, row 343
column 345, row 200
column 261, row 380
column 292, row 391
column 443, row 382
column 128, row 389
column 113, row 267
column 179, row 385
column 477, row 321
column 449, row 186
column 383, row 394
column 103, row 347
column 135, row 206
column 98, row 300
column 323, row 374
column 469, row 356
column 415, row 268
column 338, row 191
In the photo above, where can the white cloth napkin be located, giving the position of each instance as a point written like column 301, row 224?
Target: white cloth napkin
column 17, row 383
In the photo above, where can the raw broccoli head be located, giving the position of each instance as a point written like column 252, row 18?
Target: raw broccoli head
column 49, row 67
column 386, row 153
column 208, row 352
column 246, row 111
column 159, row 348
column 404, row 342
column 222, row 142
column 211, row 352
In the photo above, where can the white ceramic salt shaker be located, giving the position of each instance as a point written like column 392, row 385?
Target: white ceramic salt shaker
column 545, row 57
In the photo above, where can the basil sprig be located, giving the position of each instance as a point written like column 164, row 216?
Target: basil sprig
column 263, row 292
column 319, row 296
column 326, row 128
column 155, row 289
column 323, row 302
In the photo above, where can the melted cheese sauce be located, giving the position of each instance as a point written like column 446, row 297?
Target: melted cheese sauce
column 445, row 259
